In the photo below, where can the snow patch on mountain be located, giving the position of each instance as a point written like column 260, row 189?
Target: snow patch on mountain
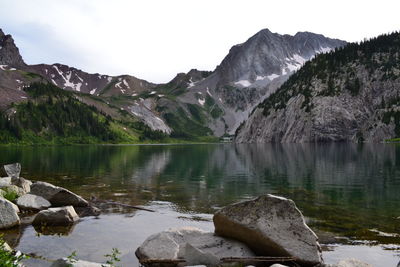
column 244, row 83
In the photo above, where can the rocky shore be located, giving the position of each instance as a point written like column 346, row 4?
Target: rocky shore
column 265, row 231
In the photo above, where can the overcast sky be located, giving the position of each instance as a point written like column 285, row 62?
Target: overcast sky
column 155, row 39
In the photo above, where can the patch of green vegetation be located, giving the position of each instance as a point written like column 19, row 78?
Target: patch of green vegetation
column 10, row 195
column 31, row 75
column 9, row 258
column 185, row 127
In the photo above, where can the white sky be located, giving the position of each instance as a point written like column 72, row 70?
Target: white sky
column 155, row 39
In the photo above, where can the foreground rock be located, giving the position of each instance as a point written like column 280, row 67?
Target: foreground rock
column 8, row 214
column 22, row 183
column 5, row 181
column 56, row 216
column 57, row 196
column 64, row 262
column 271, row 226
column 193, row 245
column 13, row 170
column 32, row 202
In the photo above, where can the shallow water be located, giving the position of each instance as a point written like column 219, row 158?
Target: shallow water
column 344, row 190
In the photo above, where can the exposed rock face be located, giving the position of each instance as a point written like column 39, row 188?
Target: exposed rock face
column 351, row 95
column 271, row 226
column 8, row 215
column 57, row 196
column 9, row 52
column 56, row 216
column 64, row 262
column 195, row 246
column 13, row 170
column 252, row 71
column 32, row 202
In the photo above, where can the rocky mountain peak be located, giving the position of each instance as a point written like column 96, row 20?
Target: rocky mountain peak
column 9, row 52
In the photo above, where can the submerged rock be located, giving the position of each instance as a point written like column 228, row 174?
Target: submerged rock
column 57, row 196
column 8, row 214
column 13, row 170
column 56, row 216
column 87, row 211
column 193, row 245
column 271, row 226
column 32, row 202
column 64, row 262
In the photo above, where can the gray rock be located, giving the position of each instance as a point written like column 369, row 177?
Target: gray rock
column 7, row 247
column 195, row 256
column 56, row 216
column 32, row 202
column 5, row 181
column 8, row 215
column 271, row 226
column 22, row 183
column 64, row 262
column 57, row 196
column 87, row 211
column 13, row 170
column 172, row 244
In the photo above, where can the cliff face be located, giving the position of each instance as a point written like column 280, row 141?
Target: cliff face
column 9, row 53
column 351, row 94
column 251, row 72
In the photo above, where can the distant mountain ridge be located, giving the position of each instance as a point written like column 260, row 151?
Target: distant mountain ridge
column 192, row 104
column 350, row 94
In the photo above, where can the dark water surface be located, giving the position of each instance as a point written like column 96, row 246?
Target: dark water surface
column 344, row 190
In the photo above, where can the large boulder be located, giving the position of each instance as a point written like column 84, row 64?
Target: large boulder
column 56, row 216
column 64, row 262
column 32, row 202
column 57, row 196
column 271, row 226
column 8, row 214
column 13, row 170
column 192, row 245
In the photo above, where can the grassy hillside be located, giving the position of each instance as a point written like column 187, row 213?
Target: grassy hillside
column 54, row 116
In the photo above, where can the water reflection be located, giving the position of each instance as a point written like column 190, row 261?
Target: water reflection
column 342, row 188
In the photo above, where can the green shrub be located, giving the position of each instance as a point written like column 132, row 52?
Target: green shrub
column 9, row 258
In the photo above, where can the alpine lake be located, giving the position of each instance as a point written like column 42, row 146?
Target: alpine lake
column 348, row 193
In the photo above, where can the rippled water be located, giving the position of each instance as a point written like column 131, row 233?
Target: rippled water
column 344, row 190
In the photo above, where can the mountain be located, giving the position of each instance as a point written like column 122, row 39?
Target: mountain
column 350, row 94
column 193, row 104
column 251, row 71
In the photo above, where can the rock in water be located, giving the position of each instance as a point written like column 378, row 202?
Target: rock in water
column 271, row 226
column 13, row 170
column 57, row 196
column 64, row 262
column 195, row 246
column 8, row 215
column 349, row 263
column 32, row 202
column 56, row 216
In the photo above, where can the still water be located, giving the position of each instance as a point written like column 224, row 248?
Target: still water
column 349, row 193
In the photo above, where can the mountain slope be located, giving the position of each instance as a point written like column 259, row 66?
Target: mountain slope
column 253, row 70
column 351, row 94
column 193, row 104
